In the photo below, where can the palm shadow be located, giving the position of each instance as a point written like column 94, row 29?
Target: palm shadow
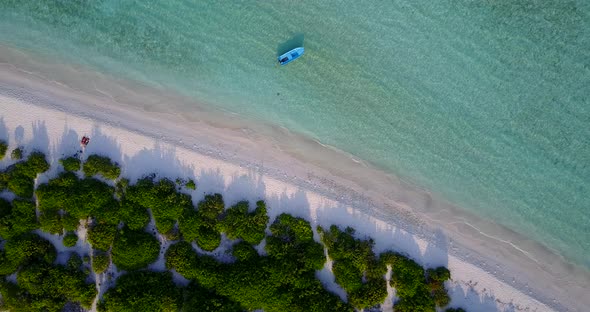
column 3, row 130
column 295, row 41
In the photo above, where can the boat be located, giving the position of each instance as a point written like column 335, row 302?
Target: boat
column 291, row 56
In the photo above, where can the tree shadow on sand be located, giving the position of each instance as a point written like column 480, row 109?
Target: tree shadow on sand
column 3, row 131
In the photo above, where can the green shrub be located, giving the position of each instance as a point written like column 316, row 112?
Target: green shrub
column 162, row 198
column 121, row 187
column 79, row 198
column 197, row 299
column 182, row 258
column 7, row 266
column 188, row 224
column 191, row 185
column 45, row 287
column 439, row 275
column 96, row 164
column 134, row 250
column 208, row 238
column 70, row 163
column 239, row 224
column 355, row 266
column 26, row 249
column 5, row 208
column 74, row 262
column 208, row 229
column 3, row 149
column 50, row 222
column 292, row 238
column 21, row 185
column 143, row 291
column 17, row 153
column 4, row 176
column 70, row 239
column 455, row 310
column 16, row 219
column 69, row 222
column 100, row 261
column 203, row 225
column 441, row 297
column 369, row 294
column 409, row 280
column 135, row 216
column 243, row 251
column 19, row 178
column 102, row 235
column 35, row 164
column 283, row 281
column 435, row 279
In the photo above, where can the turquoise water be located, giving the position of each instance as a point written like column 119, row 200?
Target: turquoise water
column 486, row 103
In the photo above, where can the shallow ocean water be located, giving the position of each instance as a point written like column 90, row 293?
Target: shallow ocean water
column 485, row 103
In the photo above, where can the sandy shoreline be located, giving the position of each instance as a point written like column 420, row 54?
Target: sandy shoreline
column 250, row 162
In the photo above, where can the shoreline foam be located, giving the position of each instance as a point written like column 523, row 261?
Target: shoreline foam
column 358, row 189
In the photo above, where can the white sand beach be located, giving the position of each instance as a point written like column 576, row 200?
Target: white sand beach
column 246, row 162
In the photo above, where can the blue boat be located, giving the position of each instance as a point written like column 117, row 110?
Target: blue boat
column 291, row 56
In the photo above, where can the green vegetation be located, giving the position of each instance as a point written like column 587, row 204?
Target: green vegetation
column 100, row 261
column 282, row 279
column 455, row 310
column 239, row 224
column 96, row 164
column 41, row 286
column 24, row 250
column 121, row 187
column 16, row 218
column 133, row 215
column 102, row 235
column 203, row 225
column 20, row 177
column 243, row 251
column 189, row 185
column 3, row 149
column 17, row 153
column 74, row 262
column 70, row 163
column 197, row 298
column 70, row 239
column 355, row 267
column 143, row 291
column 81, row 198
column 162, row 198
column 134, row 250
column 435, row 279
column 410, row 283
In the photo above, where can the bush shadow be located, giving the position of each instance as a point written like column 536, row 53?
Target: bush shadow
column 40, row 139
column 3, row 131
column 464, row 296
column 19, row 135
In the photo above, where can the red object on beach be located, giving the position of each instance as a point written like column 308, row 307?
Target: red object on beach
column 85, row 140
